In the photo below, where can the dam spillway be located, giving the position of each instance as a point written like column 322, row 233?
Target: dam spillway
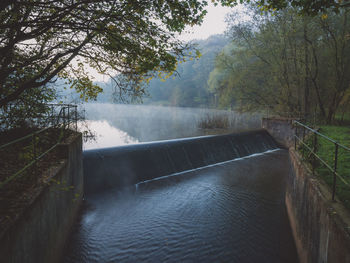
column 128, row 165
column 225, row 203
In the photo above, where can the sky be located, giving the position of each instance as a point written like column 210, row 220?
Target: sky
column 214, row 23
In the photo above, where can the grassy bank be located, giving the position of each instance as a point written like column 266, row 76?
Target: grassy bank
column 326, row 151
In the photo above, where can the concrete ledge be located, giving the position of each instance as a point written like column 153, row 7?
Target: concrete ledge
column 320, row 226
column 39, row 233
column 281, row 129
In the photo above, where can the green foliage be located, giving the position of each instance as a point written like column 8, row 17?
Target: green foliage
column 26, row 110
column 188, row 85
column 308, row 7
column 40, row 40
column 326, row 151
column 133, row 40
column 286, row 62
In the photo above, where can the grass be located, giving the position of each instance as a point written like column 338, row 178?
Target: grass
column 342, row 119
column 326, row 150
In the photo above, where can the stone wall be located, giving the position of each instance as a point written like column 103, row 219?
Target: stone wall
column 321, row 228
column 39, row 233
column 281, row 129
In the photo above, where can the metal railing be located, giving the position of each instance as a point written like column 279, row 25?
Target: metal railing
column 312, row 117
column 309, row 138
column 59, row 117
column 269, row 113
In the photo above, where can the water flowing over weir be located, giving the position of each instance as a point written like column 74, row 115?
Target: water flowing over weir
column 203, row 199
column 128, row 165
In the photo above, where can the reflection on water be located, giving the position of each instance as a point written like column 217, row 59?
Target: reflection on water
column 105, row 135
column 153, row 123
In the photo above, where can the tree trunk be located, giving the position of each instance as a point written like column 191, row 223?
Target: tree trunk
column 307, row 78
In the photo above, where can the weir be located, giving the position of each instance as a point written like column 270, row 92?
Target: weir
column 204, row 199
column 128, row 165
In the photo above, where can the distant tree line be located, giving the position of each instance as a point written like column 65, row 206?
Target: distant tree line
column 189, row 87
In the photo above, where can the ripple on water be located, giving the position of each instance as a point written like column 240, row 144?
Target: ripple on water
column 232, row 212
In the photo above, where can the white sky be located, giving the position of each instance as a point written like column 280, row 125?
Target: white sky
column 214, row 23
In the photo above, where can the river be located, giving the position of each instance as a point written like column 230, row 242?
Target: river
column 232, row 211
column 120, row 124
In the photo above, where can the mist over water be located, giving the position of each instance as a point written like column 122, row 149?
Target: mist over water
column 144, row 123
column 106, row 135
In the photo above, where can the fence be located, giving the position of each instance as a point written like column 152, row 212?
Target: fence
column 308, row 140
column 311, row 117
column 28, row 150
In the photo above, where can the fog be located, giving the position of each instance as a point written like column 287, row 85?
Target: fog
column 105, row 135
column 120, row 124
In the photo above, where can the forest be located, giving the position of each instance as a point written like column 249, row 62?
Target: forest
column 287, row 63
column 282, row 61
column 189, row 87
column 288, row 56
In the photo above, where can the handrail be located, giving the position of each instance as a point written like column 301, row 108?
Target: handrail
column 42, row 130
column 324, row 162
column 24, row 137
column 33, row 135
column 320, row 134
column 313, row 151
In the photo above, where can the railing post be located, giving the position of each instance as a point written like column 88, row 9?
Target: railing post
column 52, row 116
column 335, row 171
column 76, row 117
column 303, row 149
column 63, row 116
column 34, row 152
column 64, row 120
column 315, row 152
column 315, row 118
column 68, row 116
column 295, row 137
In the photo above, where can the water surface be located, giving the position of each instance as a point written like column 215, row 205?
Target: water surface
column 105, row 134
column 230, row 212
column 114, row 124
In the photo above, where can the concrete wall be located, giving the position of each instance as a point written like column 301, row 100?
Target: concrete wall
column 321, row 228
column 281, row 129
column 39, row 233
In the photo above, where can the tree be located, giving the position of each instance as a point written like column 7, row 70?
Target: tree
column 308, row 7
column 132, row 39
column 40, row 40
column 189, row 87
column 289, row 63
